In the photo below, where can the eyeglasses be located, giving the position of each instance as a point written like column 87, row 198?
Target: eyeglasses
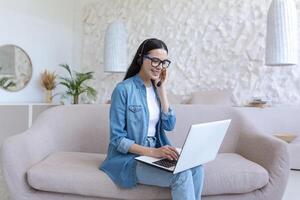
column 155, row 62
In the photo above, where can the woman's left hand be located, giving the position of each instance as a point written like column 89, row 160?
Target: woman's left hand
column 162, row 78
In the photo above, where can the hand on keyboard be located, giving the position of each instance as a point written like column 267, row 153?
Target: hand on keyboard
column 165, row 152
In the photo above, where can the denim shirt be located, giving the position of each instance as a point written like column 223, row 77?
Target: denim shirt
column 129, row 120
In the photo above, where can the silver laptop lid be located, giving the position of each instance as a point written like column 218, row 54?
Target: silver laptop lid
column 202, row 144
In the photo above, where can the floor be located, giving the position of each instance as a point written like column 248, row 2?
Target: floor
column 292, row 191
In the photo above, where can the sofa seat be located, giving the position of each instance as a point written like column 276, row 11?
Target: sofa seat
column 78, row 173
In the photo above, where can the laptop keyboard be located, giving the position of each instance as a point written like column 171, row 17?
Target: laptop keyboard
column 166, row 163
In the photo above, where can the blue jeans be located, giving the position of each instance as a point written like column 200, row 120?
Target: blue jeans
column 186, row 185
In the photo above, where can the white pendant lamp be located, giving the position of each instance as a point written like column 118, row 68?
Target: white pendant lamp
column 281, row 41
column 115, row 48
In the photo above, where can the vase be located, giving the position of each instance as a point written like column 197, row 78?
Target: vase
column 49, row 96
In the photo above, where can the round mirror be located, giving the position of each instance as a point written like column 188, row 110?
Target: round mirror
column 15, row 68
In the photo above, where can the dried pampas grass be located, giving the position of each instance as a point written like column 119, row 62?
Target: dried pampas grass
column 48, row 80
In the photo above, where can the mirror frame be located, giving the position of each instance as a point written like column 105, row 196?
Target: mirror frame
column 30, row 63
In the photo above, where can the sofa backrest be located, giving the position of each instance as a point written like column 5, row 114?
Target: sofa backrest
column 186, row 115
column 85, row 128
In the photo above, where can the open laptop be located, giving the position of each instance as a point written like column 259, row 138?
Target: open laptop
column 201, row 146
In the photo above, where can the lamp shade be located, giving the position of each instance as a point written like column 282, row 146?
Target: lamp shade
column 281, row 41
column 115, row 48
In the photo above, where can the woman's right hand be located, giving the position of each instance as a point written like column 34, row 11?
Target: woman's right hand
column 165, row 152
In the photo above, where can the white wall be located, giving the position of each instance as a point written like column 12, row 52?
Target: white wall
column 213, row 44
column 44, row 29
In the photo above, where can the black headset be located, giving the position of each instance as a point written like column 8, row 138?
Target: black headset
column 139, row 60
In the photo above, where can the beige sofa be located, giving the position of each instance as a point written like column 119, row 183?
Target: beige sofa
column 58, row 158
column 277, row 120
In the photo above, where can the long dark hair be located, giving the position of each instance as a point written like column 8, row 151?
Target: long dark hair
column 144, row 48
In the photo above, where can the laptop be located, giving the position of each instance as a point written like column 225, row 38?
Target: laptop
column 201, row 146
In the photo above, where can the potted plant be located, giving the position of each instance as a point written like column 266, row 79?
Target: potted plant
column 5, row 82
column 75, row 84
column 49, row 83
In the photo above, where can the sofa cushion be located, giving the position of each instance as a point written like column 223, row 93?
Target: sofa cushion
column 231, row 173
column 78, row 173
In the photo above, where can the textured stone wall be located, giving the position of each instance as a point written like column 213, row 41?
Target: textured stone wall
column 213, row 44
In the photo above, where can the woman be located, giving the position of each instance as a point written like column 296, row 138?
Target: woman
column 139, row 115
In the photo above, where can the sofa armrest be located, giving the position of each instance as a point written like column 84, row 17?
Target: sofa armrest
column 19, row 153
column 62, row 128
column 272, row 154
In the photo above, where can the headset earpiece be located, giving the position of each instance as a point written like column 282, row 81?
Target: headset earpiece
column 140, row 56
column 139, row 60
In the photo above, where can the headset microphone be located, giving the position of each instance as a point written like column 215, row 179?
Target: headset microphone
column 158, row 84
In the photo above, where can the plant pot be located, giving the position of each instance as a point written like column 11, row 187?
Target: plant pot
column 75, row 99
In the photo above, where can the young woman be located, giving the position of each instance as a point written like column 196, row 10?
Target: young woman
column 139, row 115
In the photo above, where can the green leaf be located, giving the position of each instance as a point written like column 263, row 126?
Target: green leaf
column 10, row 84
column 6, row 83
column 2, row 81
column 67, row 67
column 65, row 84
column 81, row 77
column 91, row 92
column 68, row 80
